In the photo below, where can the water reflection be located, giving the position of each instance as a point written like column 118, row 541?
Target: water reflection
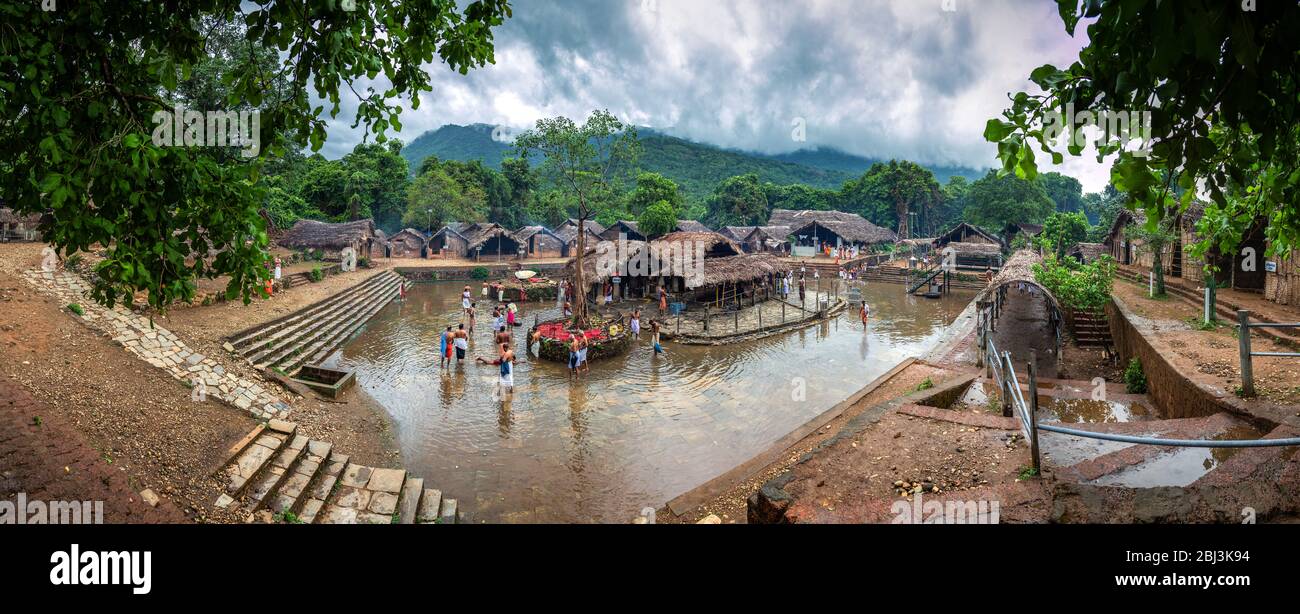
column 638, row 429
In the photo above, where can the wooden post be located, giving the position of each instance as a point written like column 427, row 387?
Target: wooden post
column 1033, row 408
column 783, row 312
column 1243, row 337
column 736, row 318
column 1006, row 372
column 706, row 318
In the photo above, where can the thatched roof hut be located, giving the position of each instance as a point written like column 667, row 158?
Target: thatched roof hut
column 311, row 234
column 492, row 239
column 1087, row 252
column 627, row 228
column 826, row 226
column 539, row 241
column 967, row 233
column 408, row 243
column 571, row 226
column 975, row 255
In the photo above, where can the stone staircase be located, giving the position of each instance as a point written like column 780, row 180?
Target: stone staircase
column 313, row 333
column 278, row 474
column 1091, row 330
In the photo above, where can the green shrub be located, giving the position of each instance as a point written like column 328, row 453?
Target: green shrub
column 1135, row 380
column 72, row 262
column 317, row 274
column 75, row 308
column 363, row 263
column 479, row 273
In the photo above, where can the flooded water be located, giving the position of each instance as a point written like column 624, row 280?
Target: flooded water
column 638, row 430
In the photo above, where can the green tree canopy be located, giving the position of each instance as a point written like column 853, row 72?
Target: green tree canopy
column 995, row 201
column 890, row 193
column 1062, row 230
column 652, row 188
column 586, row 163
column 1218, row 83
column 85, row 87
column 738, row 201
column 658, row 219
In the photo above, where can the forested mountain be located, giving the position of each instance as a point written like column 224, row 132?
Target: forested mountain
column 697, row 167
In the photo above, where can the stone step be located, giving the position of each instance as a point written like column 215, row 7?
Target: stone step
column 250, row 464
column 322, row 488
column 282, row 465
column 293, row 492
column 249, row 338
column 447, row 513
column 412, row 490
column 324, row 348
column 323, row 329
column 430, row 507
column 316, row 322
column 367, row 496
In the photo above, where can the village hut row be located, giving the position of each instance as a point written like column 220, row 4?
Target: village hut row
column 694, row 267
column 15, row 226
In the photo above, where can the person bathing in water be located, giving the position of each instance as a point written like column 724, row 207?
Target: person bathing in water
column 506, row 362
column 444, row 348
column 634, row 322
column 864, row 314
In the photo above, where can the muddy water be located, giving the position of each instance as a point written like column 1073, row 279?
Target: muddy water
column 638, row 429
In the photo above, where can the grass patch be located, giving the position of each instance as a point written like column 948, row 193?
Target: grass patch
column 75, row 308
column 1135, row 380
column 288, row 517
column 1027, row 472
column 925, row 384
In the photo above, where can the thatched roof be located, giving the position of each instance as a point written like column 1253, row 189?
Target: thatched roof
column 715, row 244
column 409, row 232
column 917, row 242
column 745, row 267
column 450, row 229
column 569, row 234
column 692, row 226
column 481, row 233
column 311, row 234
column 572, row 222
column 736, row 233
column 961, row 231
column 381, row 237
column 524, row 233
column 1018, row 268
column 1088, row 252
column 1029, row 229
column 615, row 256
column 974, row 249
column 849, row 226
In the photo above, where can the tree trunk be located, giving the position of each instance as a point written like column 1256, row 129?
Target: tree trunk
column 579, row 287
column 903, row 230
column 1158, row 269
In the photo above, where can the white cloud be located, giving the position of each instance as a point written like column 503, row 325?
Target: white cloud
column 901, row 79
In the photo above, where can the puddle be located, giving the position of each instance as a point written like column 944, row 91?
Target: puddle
column 1180, row 466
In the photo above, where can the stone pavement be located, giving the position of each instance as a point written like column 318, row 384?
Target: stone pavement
column 158, row 346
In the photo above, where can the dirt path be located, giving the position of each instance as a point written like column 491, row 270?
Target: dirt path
column 43, row 457
column 103, row 402
column 1215, row 352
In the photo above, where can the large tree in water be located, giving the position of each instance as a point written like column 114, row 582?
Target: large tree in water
column 86, row 88
column 587, row 163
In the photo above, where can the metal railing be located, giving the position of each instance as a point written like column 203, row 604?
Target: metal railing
column 1001, row 370
column 1243, row 335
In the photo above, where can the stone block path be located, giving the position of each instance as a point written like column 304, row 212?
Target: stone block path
column 278, row 475
column 158, row 346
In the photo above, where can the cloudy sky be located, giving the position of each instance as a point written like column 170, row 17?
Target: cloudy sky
column 912, row 79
